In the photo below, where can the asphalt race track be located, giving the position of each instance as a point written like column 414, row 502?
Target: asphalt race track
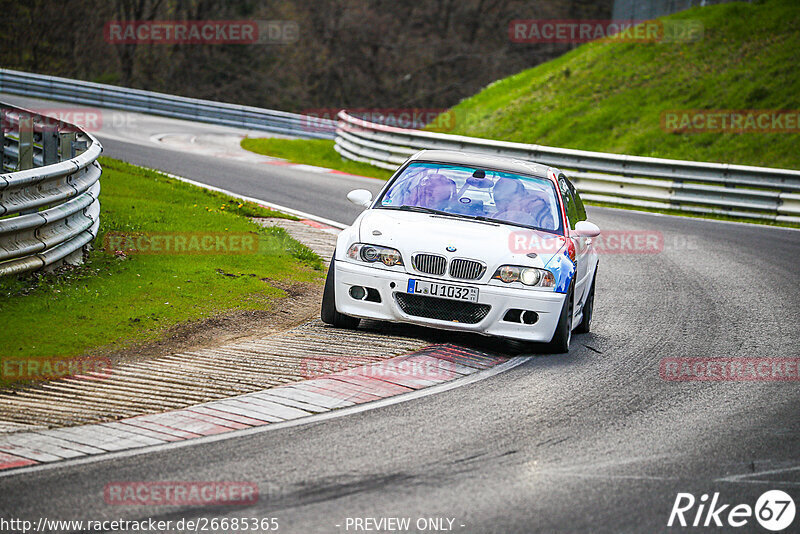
column 593, row 441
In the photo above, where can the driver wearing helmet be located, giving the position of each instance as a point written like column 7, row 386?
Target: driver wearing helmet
column 510, row 198
column 538, row 206
column 517, row 205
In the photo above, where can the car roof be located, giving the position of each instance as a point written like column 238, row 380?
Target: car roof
column 474, row 159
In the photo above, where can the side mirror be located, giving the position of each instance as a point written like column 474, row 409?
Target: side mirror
column 360, row 197
column 586, row 229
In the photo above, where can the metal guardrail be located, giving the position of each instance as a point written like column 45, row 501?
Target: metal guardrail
column 703, row 188
column 111, row 96
column 49, row 188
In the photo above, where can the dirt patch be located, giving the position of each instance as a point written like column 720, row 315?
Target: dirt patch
column 301, row 304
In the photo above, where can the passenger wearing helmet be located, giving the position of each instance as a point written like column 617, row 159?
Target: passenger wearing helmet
column 436, row 191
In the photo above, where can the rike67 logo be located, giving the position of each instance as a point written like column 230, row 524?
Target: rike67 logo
column 774, row 511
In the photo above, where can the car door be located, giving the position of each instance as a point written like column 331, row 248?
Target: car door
column 576, row 212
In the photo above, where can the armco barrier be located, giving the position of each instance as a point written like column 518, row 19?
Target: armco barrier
column 112, row 96
column 704, row 188
column 49, row 188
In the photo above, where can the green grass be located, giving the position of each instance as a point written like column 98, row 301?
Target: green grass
column 317, row 152
column 609, row 96
column 113, row 301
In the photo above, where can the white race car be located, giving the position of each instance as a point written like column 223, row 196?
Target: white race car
column 468, row 242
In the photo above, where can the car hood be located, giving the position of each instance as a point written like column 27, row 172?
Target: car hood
column 493, row 243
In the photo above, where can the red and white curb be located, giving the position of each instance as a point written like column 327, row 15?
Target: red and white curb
column 429, row 367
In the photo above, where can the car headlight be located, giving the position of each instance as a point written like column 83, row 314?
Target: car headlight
column 529, row 276
column 373, row 253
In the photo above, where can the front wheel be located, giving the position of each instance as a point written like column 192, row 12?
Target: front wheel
column 563, row 335
column 328, row 314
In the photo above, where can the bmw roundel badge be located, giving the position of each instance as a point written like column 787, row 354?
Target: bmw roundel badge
column 451, row 248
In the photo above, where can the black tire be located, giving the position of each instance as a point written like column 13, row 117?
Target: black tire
column 328, row 313
column 588, row 310
column 563, row 334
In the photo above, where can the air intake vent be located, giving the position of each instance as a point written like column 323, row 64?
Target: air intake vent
column 430, row 264
column 442, row 309
column 466, row 269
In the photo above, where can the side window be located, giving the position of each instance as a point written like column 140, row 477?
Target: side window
column 578, row 202
column 569, row 202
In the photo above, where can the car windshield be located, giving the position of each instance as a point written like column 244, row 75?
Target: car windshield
column 475, row 193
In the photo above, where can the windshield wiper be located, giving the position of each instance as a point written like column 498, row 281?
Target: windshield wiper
column 422, row 209
column 511, row 223
column 480, row 218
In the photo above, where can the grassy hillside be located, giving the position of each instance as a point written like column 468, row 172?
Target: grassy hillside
column 609, row 96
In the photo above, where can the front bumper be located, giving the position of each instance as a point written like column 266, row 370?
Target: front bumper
column 501, row 299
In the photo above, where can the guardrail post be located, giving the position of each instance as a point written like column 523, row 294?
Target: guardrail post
column 2, row 140
column 73, row 258
column 65, row 142
column 78, row 147
column 25, row 160
column 50, row 146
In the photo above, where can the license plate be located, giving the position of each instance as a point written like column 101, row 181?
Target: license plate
column 444, row 291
